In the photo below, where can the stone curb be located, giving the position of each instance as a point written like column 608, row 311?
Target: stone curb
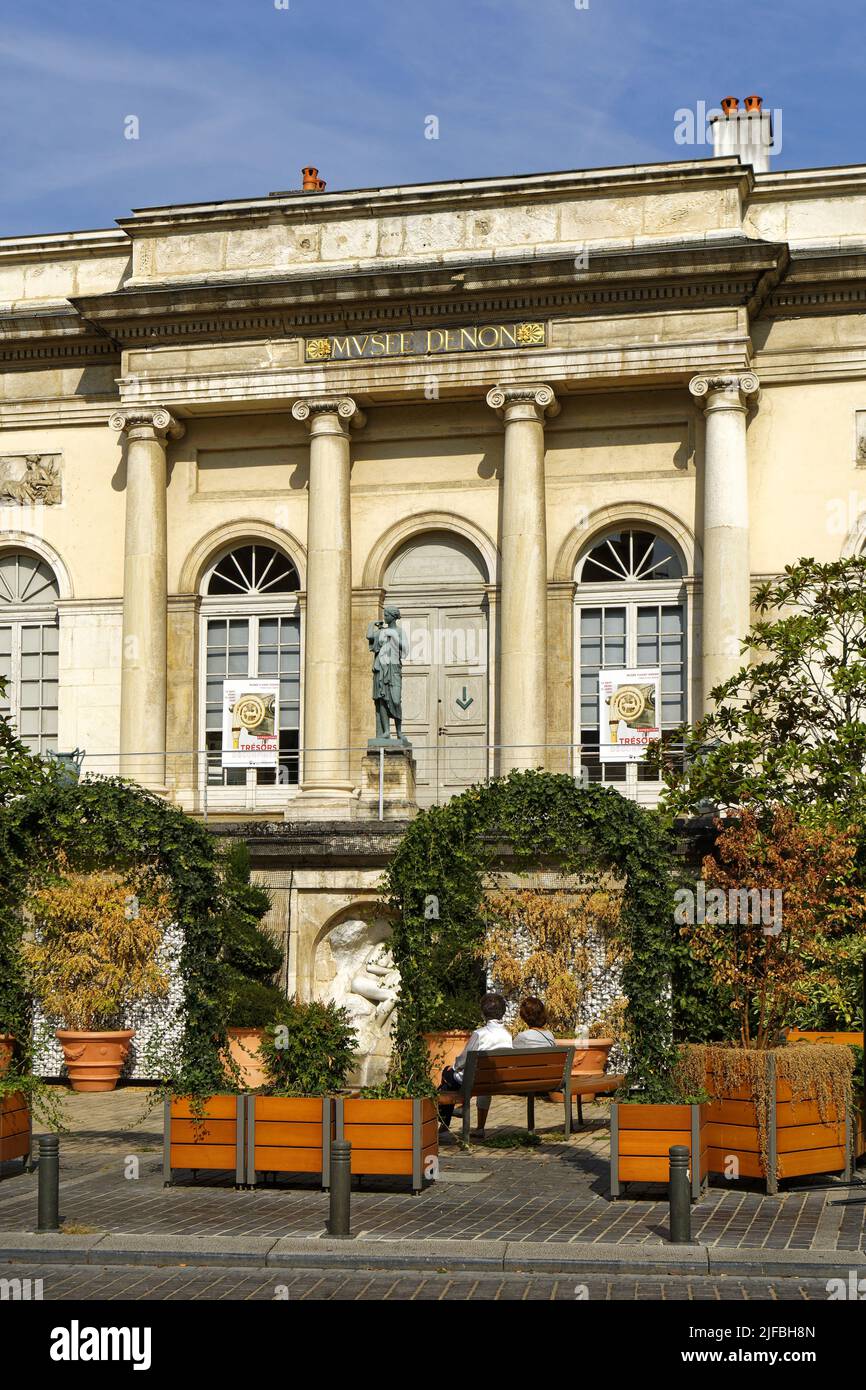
column 530, row 1257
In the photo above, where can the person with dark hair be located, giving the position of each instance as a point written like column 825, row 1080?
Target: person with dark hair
column 490, row 1035
column 535, row 1034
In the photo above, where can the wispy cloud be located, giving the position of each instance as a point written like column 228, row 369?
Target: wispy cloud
column 233, row 96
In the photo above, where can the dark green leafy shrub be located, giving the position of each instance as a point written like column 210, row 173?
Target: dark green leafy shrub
column 251, row 1003
column 250, row 958
column 309, row 1050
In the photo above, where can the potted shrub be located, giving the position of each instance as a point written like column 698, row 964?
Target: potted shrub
column 307, row 1054
column 249, row 961
column 783, row 892
column 93, row 953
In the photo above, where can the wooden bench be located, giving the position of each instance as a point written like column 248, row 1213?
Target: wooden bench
column 515, row 1071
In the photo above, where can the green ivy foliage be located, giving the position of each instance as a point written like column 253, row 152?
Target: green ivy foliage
column 250, row 957
column 20, row 773
column 106, row 822
column 435, row 884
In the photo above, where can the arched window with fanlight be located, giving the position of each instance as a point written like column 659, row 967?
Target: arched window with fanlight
column 251, row 627
column 631, row 611
column 29, row 647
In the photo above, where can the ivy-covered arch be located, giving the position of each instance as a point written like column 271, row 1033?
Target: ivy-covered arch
column 106, row 822
column 435, row 886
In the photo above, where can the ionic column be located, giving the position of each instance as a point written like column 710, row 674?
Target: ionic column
column 143, row 659
column 726, row 582
column 327, row 637
column 523, row 588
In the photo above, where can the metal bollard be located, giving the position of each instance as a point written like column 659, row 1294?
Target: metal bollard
column 679, row 1196
column 49, row 1183
column 339, row 1219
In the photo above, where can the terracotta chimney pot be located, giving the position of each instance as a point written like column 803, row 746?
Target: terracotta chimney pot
column 753, row 103
column 311, row 181
column 729, row 105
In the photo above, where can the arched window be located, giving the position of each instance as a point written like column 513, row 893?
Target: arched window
column 252, row 627
column 631, row 612
column 29, row 645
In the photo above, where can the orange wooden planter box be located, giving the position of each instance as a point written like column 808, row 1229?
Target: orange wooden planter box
column 15, row 1127
column 209, row 1138
column 641, row 1135
column 393, row 1137
column 800, row 1035
column 800, row 1142
column 288, row 1134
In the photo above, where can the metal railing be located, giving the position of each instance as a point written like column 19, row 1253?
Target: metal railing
column 196, row 779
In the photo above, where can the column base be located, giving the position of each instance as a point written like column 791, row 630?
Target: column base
column 398, row 782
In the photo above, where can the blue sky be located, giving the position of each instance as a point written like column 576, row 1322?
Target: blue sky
column 234, row 96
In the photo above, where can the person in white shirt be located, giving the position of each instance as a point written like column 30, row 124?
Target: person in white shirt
column 535, row 1034
column 490, row 1035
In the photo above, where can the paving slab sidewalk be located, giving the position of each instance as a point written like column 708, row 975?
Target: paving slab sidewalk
column 541, row 1209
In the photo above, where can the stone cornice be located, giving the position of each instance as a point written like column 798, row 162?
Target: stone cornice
column 820, row 280
column 676, row 275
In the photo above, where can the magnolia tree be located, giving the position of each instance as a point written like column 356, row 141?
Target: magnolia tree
column 790, row 726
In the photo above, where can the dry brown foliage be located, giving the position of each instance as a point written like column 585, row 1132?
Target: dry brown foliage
column 815, row 1072
column 542, row 944
column 821, row 900
column 95, row 947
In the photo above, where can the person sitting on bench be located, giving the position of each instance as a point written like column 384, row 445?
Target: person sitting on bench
column 535, row 1034
column 490, row 1035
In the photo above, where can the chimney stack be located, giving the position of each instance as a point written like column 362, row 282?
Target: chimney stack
column 748, row 133
column 311, row 181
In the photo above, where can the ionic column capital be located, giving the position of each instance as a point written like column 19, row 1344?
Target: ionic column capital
column 725, row 392
column 156, row 420
column 538, row 400
column 314, row 411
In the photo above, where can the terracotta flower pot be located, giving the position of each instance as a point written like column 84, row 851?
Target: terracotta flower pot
column 94, row 1060
column 7, row 1043
column 245, row 1050
column 590, row 1054
column 443, row 1048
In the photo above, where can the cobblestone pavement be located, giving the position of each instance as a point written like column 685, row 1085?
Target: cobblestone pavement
column 94, row 1284
column 555, row 1192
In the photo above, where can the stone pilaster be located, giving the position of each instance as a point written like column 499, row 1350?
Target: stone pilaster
column 327, row 636
column 143, row 660
column 726, row 582
column 523, row 591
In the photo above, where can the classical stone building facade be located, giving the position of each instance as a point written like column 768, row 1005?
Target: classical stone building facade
column 563, row 422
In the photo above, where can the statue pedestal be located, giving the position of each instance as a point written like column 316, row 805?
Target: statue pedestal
column 397, row 776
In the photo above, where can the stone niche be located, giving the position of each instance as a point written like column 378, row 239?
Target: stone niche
column 353, row 968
